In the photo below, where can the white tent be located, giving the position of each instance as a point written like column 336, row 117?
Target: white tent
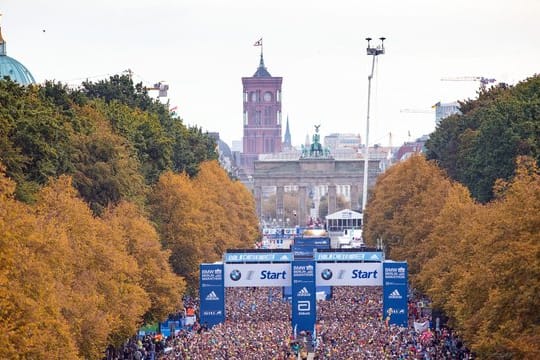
column 344, row 219
column 345, row 214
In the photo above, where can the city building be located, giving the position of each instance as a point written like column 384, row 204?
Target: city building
column 443, row 110
column 337, row 141
column 12, row 68
column 410, row 148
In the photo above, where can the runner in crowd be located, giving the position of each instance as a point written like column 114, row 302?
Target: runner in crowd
column 258, row 326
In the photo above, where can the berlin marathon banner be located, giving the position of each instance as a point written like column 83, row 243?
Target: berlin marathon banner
column 304, row 303
column 395, row 291
column 212, row 294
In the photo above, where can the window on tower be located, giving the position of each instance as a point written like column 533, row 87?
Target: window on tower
column 253, row 96
column 258, row 118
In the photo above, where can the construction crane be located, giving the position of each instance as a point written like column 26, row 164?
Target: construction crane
column 483, row 80
column 161, row 86
column 416, row 111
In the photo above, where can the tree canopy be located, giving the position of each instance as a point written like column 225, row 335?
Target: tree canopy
column 480, row 263
column 108, row 204
column 480, row 145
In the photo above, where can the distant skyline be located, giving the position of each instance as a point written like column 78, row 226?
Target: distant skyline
column 203, row 48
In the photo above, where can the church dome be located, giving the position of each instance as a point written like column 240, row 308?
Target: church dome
column 15, row 71
column 12, row 68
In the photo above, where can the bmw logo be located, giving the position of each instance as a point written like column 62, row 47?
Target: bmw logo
column 326, row 274
column 235, row 275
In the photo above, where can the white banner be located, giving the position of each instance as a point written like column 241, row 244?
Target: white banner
column 348, row 274
column 244, row 275
column 420, row 327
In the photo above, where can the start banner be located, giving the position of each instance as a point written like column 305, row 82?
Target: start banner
column 349, row 274
column 242, row 275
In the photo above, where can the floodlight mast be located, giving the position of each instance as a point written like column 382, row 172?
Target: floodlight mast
column 373, row 51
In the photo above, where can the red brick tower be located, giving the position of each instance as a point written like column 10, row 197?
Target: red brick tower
column 262, row 116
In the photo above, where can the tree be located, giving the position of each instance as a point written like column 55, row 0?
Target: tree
column 101, row 299
column 402, row 207
column 341, row 203
column 229, row 212
column 177, row 211
column 31, row 324
column 141, row 241
column 479, row 146
column 106, row 170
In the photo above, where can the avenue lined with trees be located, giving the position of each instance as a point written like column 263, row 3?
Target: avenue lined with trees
column 108, row 204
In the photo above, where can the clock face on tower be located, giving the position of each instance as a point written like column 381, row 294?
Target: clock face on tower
column 267, row 96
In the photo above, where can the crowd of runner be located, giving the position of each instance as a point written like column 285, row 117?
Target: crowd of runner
column 258, row 326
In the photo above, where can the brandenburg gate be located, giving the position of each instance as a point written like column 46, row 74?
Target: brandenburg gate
column 315, row 167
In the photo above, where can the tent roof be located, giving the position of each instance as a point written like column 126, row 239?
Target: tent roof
column 344, row 214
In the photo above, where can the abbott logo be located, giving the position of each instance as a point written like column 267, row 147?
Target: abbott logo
column 304, row 305
column 212, row 297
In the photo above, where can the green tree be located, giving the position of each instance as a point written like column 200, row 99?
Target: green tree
column 480, row 145
column 106, row 170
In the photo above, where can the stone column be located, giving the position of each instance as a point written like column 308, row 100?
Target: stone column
column 355, row 205
column 302, row 206
column 332, row 199
column 279, row 205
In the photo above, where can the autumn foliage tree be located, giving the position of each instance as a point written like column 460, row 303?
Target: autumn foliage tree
column 402, row 207
column 200, row 218
column 480, row 263
column 32, row 324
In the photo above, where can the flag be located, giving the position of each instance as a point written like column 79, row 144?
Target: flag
column 420, row 327
column 258, row 43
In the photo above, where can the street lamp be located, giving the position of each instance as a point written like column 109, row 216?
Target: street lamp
column 373, row 51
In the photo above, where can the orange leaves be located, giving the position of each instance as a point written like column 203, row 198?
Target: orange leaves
column 480, row 263
column 198, row 219
column 71, row 282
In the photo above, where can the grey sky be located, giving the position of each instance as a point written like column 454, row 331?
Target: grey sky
column 203, row 48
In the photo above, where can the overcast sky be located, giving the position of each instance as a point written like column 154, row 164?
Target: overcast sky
column 202, row 48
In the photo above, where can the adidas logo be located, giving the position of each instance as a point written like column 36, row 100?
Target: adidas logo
column 284, row 257
column 212, row 297
column 395, row 295
column 374, row 257
column 303, row 292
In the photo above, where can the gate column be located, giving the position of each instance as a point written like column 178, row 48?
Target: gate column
column 332, row 199
column 302, row 205
column 279, row 204
column 354, row 197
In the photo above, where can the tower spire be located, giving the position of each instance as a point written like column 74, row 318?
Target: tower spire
column 261, row 70
column 287, row 141
column 2, row 41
